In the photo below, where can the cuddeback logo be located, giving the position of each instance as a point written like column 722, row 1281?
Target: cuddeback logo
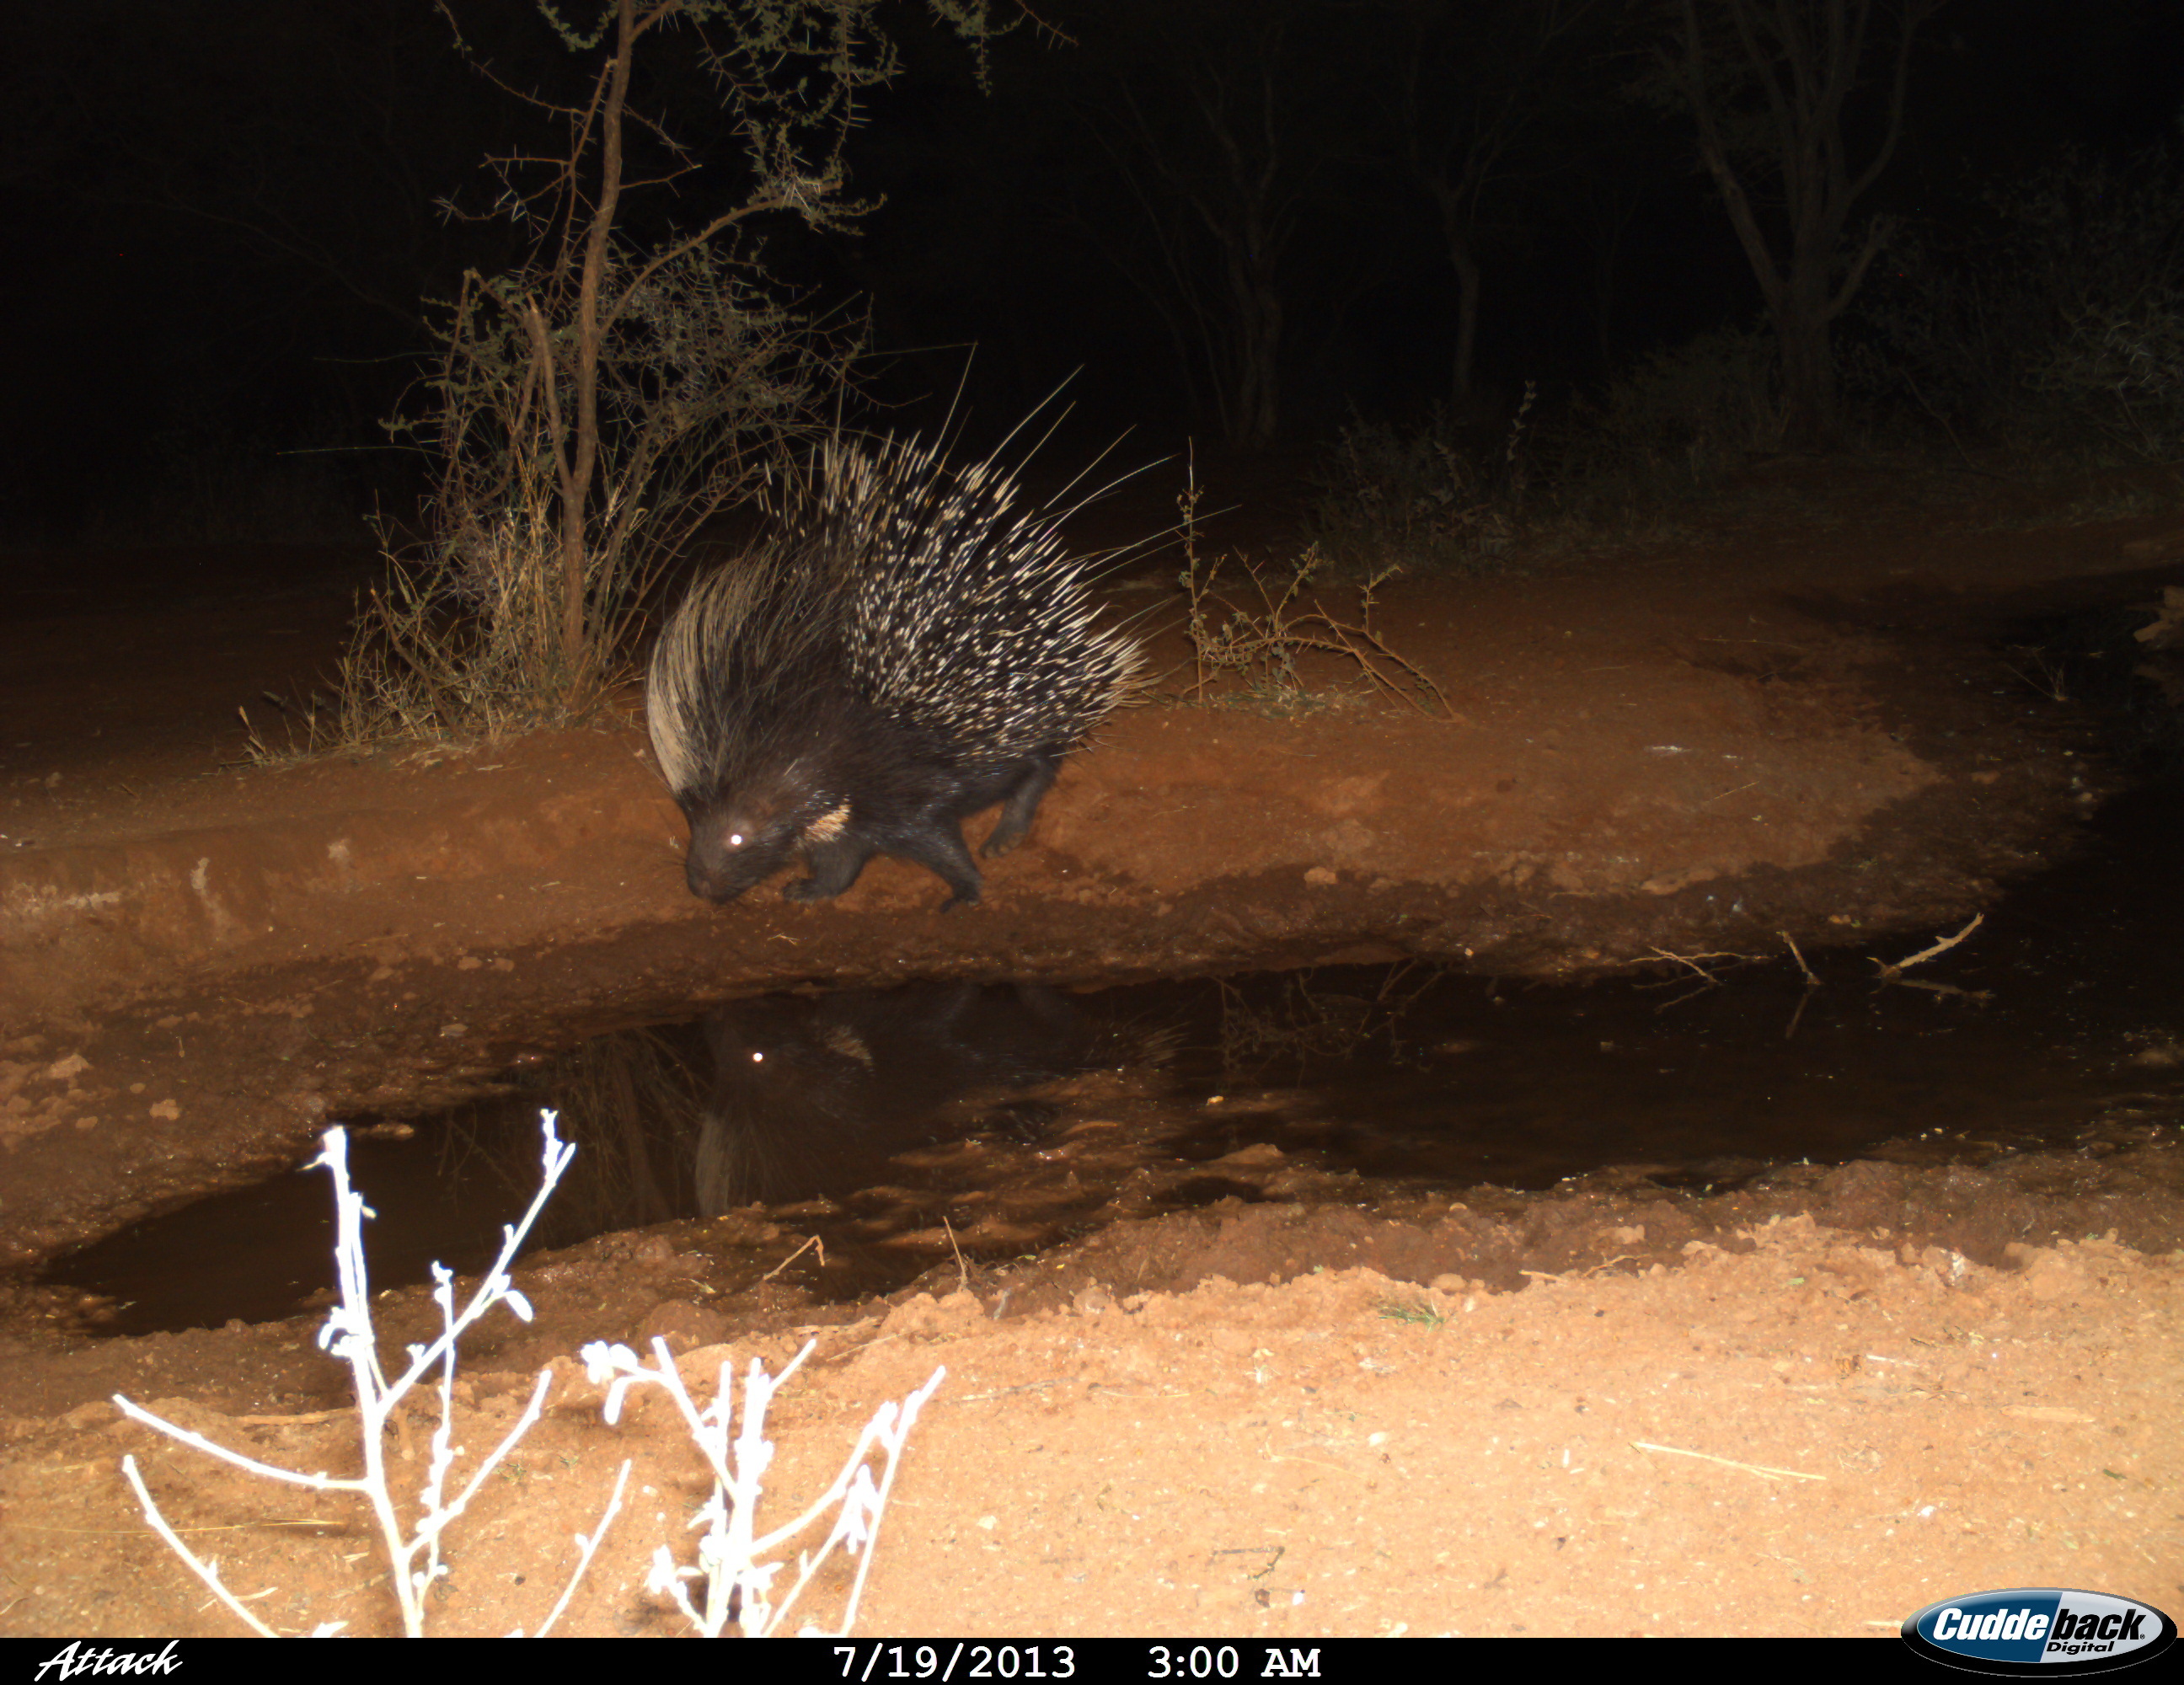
column 2039, row 1630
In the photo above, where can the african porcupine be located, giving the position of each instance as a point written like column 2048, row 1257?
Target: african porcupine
column 913, row 646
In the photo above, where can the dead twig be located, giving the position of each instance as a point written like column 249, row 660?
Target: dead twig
column 1696, row 965
column 1889, row 974
column 1977, row 997
column 2166, row 629
column 962, row 1270
column 2047, row 674
column 814, row 1241
column 1759, row 1469
column 1697, row 962
column 1812, row 982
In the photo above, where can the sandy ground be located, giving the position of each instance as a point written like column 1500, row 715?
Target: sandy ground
column 1813, row 1411
column 1801, row 1430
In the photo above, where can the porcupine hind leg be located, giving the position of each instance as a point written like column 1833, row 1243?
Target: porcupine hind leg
column 937, row 844
column 1038, row 774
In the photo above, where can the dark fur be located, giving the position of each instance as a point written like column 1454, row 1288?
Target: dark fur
column 905, row 795
column 792, row 719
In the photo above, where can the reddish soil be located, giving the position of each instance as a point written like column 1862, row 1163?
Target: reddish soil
column 1780, row 1429
column 1876, row 1385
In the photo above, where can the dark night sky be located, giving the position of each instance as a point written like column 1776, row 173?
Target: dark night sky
column 224, row 212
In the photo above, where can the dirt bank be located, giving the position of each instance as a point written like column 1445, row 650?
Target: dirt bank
column 1811, row 1405
column 1689, row 748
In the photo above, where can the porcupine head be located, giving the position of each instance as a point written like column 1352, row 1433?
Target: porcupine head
column 742, row 834
column 740, row 839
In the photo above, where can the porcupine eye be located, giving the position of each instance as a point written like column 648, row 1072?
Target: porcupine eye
column 728, row 841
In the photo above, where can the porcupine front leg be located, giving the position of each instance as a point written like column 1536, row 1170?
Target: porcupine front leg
column 1023, row 803
column 835, row 864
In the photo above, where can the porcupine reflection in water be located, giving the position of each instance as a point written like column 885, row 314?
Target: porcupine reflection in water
column 811, row 1099
column 2063, row 1032
column 778, row 1099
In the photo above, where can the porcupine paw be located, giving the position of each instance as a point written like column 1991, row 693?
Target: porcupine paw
column 803, row 889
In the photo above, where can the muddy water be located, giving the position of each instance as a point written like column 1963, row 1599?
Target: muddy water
column 1024, row 1115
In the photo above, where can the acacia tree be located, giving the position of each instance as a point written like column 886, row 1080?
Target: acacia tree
column 593, row 407
column 1769, row 83
column 1202, row 112
column 1469, row 97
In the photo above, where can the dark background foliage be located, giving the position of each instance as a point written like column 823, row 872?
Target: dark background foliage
column 1219, row 217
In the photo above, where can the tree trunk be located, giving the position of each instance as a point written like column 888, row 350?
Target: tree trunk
column 1809, row 371
column 1463, row 374
column 1808, row 416
column 577, row 495
column 1805, row 61
column 1258, row 351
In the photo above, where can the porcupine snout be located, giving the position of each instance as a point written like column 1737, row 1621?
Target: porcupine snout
column 732, row 852
column 736, row 845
